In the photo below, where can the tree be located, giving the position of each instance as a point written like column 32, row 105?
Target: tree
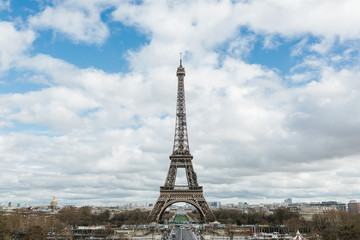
column 293, row 223
column 85, row 216
column 282, row 214
column 334, row 224
column 36, row 233
column 15, row 225
column 102, row 217
column 131, row 217
column 4, row 228
column 320, row 221
column 69, row 215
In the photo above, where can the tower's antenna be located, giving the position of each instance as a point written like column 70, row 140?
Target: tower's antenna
column 180, row 60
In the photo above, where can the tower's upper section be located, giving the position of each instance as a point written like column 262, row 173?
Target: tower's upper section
column 180, row 71
column 181, row 143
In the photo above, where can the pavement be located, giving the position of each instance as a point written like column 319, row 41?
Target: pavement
column 184, row 233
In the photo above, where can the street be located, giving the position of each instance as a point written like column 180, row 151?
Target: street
column 183, row 233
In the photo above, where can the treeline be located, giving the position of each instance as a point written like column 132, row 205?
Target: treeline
column 330, row 225
column 83, row 217
column 28, row 224
column 279, row 216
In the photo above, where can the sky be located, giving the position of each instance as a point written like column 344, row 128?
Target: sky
column 88, row 99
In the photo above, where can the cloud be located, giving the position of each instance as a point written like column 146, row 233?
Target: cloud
column 242, row 45
column 255, row 133
column 82, row 124
column 193, row 27
column 300, row 47
column 78, row 21
column 4, row 4
column 292, row 18
column 324, row 46
column 14, row 45
column 57, row 107
column 202, row 25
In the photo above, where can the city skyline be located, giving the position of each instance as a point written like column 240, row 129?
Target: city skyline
column 289, row 202
column 88, row 99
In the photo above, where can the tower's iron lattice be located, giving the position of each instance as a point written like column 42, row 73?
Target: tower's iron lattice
column 191, row 193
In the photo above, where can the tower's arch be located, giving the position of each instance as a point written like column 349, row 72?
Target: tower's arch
column 192, row 203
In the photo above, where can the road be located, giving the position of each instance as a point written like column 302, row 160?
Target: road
column 183, row 233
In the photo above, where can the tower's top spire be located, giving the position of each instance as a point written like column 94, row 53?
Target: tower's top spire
column 180, row 70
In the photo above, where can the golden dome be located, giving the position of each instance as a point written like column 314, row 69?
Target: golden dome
column 53, row 202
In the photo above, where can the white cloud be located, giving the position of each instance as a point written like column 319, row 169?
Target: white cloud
column 237, row 118
column 300, row 47
column 4, row 4
column 58, row 107
column 291, row 18
column 270, row 42
column 13, row 44
column 324, row 46
column 257, row 136
column 242, row 45
column 194, row 27
column 190, row 21
column 79, row 21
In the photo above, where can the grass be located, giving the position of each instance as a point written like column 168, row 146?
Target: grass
column 181, row 218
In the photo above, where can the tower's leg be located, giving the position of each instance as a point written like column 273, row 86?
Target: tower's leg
column 155, row 213
column 207, row 211
column 153, row 216
column 170, row 179
column 191, row 176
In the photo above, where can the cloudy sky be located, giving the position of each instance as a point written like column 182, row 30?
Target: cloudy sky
column 88, row 97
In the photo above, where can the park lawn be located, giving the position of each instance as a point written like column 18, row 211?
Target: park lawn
column 181, row 218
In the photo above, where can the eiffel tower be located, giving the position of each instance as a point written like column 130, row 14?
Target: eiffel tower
column 191, row 193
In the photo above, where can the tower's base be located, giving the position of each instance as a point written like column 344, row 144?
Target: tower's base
column 194, row 197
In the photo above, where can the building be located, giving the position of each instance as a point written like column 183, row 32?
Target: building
column 337, row 205
column 53, row 204
column 215, row 204
column 288, row 201
column 354, row 206
column 307, row 212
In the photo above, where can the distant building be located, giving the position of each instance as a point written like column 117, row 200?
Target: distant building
column 288, row 201
column 53, row 204
column 90, row 232
column 307, row 212
column 243, row 204
column 229, row 206
column 337, row 205
column 354, row 207
column 214, row 204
